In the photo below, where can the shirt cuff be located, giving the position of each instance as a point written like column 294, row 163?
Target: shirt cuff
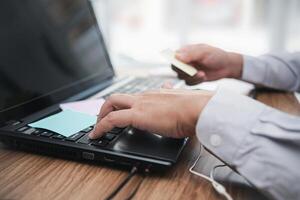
column 224, row 126
column 254, row 70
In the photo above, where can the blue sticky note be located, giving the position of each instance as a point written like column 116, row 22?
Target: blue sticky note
column 66, row 122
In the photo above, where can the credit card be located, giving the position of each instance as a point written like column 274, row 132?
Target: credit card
column 169, row 55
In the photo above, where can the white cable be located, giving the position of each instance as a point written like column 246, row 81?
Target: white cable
column 217, row 186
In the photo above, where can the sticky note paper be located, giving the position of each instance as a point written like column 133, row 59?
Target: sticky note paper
column 66, row 122
column 169, row 55
column 90, row 107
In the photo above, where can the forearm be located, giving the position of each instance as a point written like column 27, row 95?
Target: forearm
column 280, row 71
column 261, row 143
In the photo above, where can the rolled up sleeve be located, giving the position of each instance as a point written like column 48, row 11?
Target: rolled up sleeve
column 261, row 143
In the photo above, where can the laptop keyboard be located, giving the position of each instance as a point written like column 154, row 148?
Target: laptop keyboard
column 140, row 85
column 80, row 137
column 135, row 86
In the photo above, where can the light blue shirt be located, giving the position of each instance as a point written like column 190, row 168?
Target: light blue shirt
column 260, row 142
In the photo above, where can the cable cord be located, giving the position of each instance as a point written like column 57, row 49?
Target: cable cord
column 216, row 185
column 124, row 182
column 133, row 193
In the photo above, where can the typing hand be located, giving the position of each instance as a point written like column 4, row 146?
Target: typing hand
column 212, row 63
column 171, row 113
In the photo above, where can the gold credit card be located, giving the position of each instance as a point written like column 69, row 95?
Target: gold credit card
column 169, row 55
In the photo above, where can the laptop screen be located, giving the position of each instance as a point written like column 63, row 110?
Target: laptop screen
column 49, row 51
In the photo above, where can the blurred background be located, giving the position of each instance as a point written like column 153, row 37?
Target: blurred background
column 137, row 30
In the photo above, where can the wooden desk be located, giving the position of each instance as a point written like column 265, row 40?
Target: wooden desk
column 28, row 176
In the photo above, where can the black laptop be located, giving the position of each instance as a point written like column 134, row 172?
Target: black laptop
column 52, row 51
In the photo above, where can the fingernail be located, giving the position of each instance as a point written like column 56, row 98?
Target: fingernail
column 91, row 135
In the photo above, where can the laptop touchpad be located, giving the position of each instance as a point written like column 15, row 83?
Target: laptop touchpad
column 149, row 145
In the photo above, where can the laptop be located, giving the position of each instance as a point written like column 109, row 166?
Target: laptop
column 53, row 52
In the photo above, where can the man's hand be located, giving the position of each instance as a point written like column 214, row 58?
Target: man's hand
column 212, row 63
column 168, row 112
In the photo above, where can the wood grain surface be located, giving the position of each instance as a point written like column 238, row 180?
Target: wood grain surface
column 35, row 177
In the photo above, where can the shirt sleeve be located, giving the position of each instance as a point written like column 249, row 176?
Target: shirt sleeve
column 278, row 71
column 261, row 143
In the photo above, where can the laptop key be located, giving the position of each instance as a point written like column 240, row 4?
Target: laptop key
column 29, row 131
column 24, row 128
column 100, row 143
column 116, row 130
column 58, row 136
column 36, row 132
column 75, row 137
column 13, row 122
column 46, row 134
column 109, row 136
column 85, row 139
column 87, row 130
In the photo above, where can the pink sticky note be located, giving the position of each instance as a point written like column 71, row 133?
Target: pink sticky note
column 90, row 107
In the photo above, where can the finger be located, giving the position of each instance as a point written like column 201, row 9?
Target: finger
column 191, row 53
column 120, row 118
column 120, row 101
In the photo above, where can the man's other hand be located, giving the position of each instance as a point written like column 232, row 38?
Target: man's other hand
column 212, row 63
